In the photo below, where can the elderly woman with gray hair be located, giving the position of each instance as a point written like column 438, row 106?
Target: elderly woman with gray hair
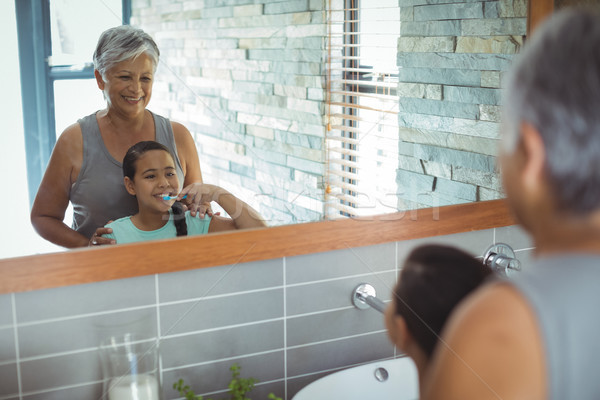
column 85, row 166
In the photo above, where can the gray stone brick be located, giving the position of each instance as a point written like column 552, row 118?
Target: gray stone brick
column 441, row 108
column 439, row 170
column 299, row 68
column 440, row 76
column 473, row 144
column 217, row 12
column 486, row 179
column 492, row 44
column 490, row 79
column 406, row 3
column 275, row 170
column 434, row 92
column 306, row 165
column 261, row 132
column 437, row 44
column 243, row 170
column 454, row 11
column 315, row 131
column 306, row 30
column 240, row 33
column 253, row 87
column 452, row 125
column 494, row 27
column 247, row 10
column 263, row 43
column 430, row 28
column 471, row 95
column 412, row 182
column 316, row 94
column 410, row 164
column 491, row 9
column 281, row 118
column 456, row 189
column 316, row 5
column 407, row 14
column 270, row 156
column 455, row 157
column 513, row 8
column 495, row 62
column 486, row 194
column 489, row 113
column 293, row 55
column 286, row 7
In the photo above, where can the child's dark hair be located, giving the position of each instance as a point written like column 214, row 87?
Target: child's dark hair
column 433, row 281
column 129, row 165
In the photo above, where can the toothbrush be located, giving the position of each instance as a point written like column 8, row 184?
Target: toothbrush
column 173, row 197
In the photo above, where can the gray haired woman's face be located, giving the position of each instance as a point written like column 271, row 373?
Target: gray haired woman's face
column 127, row 86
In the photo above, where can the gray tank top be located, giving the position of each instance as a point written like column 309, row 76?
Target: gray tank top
column 98, row 195
column 564, row 292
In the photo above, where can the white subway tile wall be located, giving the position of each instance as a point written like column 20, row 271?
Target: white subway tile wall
column 286, row 321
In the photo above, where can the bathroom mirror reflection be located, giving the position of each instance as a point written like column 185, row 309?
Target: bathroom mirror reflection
column 306, row 110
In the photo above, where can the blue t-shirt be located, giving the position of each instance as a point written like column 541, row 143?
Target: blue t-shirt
column 124, row 231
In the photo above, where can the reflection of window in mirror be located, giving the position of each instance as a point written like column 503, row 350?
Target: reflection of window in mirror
column 363, row 109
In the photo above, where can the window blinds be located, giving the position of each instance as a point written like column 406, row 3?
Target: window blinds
column 362, row 107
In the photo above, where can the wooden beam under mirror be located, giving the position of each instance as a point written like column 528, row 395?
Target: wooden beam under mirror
column 146, row 258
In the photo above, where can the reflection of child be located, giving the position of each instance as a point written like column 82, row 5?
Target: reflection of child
column 433, row 281
column 149, row 175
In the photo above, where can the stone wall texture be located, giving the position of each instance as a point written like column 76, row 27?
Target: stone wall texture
column 447, row 152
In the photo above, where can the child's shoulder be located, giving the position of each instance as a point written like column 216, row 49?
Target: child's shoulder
column 119, row 222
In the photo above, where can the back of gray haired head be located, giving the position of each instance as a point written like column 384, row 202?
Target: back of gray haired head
column 554, row 85
column 122, row 43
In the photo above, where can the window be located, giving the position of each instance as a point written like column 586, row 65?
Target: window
column 362, row 102
column 56, row 42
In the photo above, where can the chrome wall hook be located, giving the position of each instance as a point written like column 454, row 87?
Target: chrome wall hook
column 500, row 257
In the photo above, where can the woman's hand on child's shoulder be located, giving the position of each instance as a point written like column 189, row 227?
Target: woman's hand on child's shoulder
column 98, row 240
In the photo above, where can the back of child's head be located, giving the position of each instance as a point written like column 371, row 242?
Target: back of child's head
column 433, row 280
column 129, row 168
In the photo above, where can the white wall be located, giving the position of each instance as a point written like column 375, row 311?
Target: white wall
column 17, row 236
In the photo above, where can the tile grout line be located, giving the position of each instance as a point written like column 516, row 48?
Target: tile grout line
column 217, row 360
column 285, row 361
column 17, row 353
column 158, row 331
column 397, row 265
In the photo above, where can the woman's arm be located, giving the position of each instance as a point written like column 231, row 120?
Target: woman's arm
column 188, row 155
column 53, row 194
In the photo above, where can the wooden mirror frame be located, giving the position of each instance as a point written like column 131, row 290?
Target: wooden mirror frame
column 538, row 10
column 130, row 260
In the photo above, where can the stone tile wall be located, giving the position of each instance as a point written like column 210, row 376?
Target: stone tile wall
column 453, row 56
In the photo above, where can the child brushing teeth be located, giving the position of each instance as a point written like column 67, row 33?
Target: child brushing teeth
column 150, row 176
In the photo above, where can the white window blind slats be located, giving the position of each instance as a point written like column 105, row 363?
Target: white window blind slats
column 362, row 104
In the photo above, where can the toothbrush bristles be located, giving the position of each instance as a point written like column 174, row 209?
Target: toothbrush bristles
column 173, row 197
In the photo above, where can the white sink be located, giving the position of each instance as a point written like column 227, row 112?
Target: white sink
column 390, row 379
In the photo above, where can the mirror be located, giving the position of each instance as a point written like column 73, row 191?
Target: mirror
column 248, row 81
